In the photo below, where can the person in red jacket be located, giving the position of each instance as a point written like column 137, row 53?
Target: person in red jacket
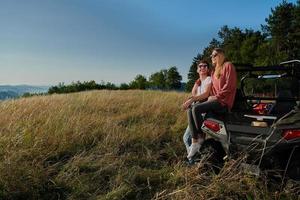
column 221, row 99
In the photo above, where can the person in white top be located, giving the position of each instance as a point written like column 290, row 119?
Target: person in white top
column 200, row 93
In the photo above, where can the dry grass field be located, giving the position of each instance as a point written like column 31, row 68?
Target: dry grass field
column 111, row 145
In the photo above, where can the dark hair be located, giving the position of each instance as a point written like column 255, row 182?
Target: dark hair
column 207, row 63
column 203, row 61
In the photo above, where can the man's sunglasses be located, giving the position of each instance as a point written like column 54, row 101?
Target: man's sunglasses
column 202, row 65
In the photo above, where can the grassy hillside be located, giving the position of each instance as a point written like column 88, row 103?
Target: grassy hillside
column 110, row 145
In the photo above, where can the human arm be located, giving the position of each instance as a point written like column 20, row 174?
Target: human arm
column 229, row 83
column 212, row 98
column 200, row 97
column 195, row 87
column 203, row 95
column 189, row 101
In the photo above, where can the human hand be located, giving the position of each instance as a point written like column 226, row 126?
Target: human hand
column 187, row 104
column 212, row 98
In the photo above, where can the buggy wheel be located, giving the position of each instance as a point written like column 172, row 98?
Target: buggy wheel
column 212, row 155
column 293, row 171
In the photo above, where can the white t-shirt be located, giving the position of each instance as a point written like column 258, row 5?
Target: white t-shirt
column 203, row 86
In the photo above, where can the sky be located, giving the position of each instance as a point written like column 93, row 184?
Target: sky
column 45, row 42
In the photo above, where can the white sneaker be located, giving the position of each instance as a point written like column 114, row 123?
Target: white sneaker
column 188, row 149
column 193, row 149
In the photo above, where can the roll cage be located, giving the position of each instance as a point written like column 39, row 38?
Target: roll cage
column 286, row 69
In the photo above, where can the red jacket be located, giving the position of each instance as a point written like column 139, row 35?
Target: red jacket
column 224, row 88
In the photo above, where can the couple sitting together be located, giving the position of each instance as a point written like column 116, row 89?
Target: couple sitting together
column 213, row 92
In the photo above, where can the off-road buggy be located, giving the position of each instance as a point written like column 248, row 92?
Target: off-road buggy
column 263, row 125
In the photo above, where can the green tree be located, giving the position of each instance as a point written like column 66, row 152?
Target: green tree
column 265, row 54
column 295, row 33
column 157, row 80
column 53, row 90
column 139, row 82
column 173, row 79
column 280, row 27
column 110, row 86
column 214, row 43
column 124, row 86
column 231, row 42
column 250, row 45
column 193, row 75
column 90, row 85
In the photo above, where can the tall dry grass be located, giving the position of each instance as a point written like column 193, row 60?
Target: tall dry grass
column 109, row 145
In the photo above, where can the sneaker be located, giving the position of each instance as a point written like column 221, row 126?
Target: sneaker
column 190, row 162
column 193, row 150
column 188, row 149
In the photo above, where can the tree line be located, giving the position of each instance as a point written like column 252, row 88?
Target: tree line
column 166, row 79
column 277, row 41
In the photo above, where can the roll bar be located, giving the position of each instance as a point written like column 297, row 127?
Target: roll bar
column 290, row 68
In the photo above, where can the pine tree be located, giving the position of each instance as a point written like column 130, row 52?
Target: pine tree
column 173, row 79
column 193, row 75
column 231, row 40
column 295, row 33
column 280, row 27
column 214, row 43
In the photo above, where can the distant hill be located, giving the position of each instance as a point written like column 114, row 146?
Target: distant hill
column 13, row 91
column 8, row 95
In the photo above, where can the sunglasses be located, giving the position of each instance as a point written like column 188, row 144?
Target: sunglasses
column 213, row 55
column 202, row 65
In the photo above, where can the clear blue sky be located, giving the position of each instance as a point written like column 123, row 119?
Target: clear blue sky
column 44, row 42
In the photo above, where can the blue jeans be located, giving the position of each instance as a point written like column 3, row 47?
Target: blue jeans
column 187, row 138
